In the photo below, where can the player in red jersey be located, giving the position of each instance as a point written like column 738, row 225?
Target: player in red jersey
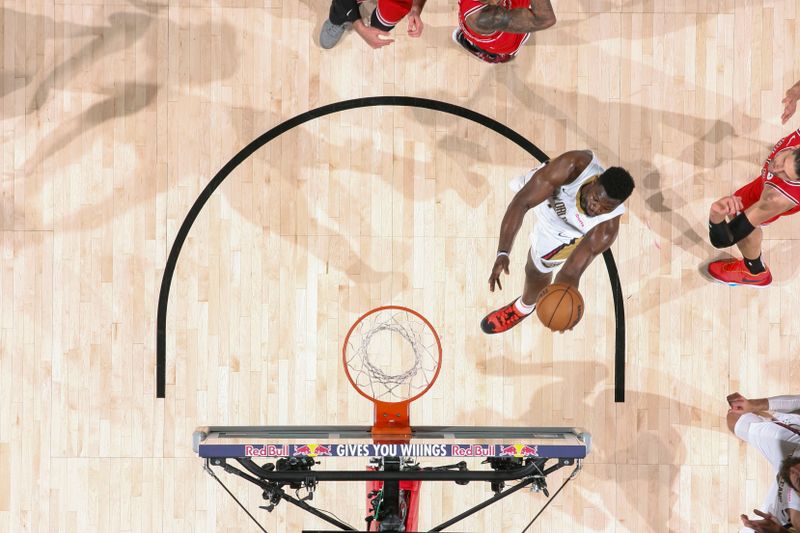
column 737, row 219
column 494, row 30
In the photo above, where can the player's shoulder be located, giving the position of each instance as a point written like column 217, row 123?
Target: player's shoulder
column 580, row 156
column 574, row 162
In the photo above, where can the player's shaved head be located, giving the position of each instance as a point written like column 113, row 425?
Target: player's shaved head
column 618, row 183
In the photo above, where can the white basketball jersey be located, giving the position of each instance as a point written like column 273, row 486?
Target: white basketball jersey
column 562, row 212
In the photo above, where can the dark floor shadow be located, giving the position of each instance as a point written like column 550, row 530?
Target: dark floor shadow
column 27, row 26
column 117, row 101
column 122, row 31
column 128, row 99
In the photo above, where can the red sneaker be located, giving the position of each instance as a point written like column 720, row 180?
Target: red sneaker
column 502, row 319
column 734, row 272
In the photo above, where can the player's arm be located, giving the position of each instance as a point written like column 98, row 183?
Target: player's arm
column 541, row 186
column 790, row 102
column 723, row 232
column 766, row 524
column 782, row 404
column 772, row 203
column 597, row 240
column 493, row 17
column 374, row 37
column 415, row 24
column 794, row 518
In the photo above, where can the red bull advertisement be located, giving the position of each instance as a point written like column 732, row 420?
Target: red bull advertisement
column 519, row 450
column 393, row 450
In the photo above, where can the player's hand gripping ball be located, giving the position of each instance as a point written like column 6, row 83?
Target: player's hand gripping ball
column 559, row 306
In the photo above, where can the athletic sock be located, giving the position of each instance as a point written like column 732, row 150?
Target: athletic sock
column 522, row 308
column 755, row 266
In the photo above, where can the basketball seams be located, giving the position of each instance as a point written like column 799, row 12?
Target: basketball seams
column 564, row 292
column 549, row 307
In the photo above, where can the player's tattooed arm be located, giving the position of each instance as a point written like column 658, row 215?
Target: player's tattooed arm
column 494, row 18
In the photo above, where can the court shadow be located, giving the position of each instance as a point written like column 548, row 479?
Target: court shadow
column 123, row 30
column 644, row 437
column 590, row 9
column 40, row 27
column 289, row 208
column 116, row 100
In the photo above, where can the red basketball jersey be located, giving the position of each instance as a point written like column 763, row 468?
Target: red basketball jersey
column 499, row 42
column 751, row 192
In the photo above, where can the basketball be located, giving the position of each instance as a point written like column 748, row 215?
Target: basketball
column 559, row 306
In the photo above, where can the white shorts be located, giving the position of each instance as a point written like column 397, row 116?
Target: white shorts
column 549, row 248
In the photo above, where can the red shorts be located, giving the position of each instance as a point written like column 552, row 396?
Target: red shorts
column 391, row 12
column 751, row 192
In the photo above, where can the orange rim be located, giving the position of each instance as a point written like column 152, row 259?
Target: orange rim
column 438, row 347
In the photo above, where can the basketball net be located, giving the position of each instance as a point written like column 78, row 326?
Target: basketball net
column 392, row 356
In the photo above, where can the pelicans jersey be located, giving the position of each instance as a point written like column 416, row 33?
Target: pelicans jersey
column 560, row 221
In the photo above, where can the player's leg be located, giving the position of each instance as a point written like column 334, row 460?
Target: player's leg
column 511, row 314
column 750, row 247
column 341, row 12
column 388, row 14
column 535, row 281
column 750, row 270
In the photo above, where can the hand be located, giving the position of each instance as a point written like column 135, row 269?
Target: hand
column 790, row 102
column 373, row 36
column 415, row 24
column 500, row 266
column 740, row 404
column 769, row 524
column 724, row 207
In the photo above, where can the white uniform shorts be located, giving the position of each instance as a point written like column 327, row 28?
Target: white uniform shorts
column 550, row 248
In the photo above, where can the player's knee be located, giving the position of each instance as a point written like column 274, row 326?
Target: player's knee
column 533, row 273
column 724, row 234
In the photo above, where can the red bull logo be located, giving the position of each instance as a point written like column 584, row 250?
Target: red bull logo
column 519, row 450
column 312, row 450
column 269, row 450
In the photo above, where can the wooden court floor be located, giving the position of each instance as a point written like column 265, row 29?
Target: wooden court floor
column 115, row 115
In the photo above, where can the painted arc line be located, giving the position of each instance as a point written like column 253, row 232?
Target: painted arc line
column 371, row 101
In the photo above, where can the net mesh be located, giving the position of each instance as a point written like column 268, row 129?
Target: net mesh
column 392, row 355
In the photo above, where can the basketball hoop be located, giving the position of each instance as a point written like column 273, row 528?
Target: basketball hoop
column 392, row 355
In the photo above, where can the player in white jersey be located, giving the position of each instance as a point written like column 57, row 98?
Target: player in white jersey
column 772, row 426
column 577, row 204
